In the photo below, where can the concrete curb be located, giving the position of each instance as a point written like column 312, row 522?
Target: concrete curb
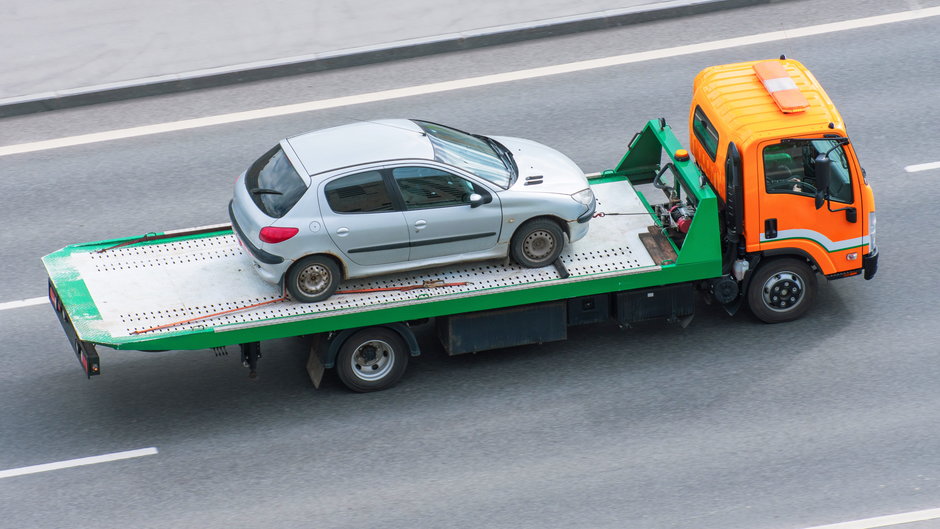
column 406, row 49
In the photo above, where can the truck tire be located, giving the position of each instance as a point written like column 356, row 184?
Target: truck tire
column 372, row 359
column 781, row 290
column 537, row 243
column 313, row 278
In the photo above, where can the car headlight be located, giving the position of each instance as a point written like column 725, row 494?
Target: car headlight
column 871, row 233
column 584, row 197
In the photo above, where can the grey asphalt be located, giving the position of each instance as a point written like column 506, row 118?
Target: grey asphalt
column 61, row 55
column 727, row 424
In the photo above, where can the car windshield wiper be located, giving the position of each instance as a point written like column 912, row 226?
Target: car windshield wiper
column 505, row 155
column 265, row 191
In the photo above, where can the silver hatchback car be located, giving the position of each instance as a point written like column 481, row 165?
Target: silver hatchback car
column 387, row 196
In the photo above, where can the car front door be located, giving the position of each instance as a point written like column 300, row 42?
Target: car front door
column 362, row 220
column 439, row 216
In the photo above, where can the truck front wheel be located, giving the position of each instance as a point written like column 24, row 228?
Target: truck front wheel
column 372, row 359
column 781, row 290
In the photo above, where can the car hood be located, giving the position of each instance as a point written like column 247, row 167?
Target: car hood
column 543, row 169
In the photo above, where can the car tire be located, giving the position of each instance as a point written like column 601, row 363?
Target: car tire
column 781, row 290
column 537, row 243
column 372, row 359
column 314, row 278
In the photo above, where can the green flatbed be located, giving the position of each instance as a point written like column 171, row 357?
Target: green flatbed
column 195, row 289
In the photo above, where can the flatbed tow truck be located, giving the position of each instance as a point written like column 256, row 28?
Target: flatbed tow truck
column 773, row 197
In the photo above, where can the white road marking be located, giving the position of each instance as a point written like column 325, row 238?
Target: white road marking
column 471, row 82
column 117, row 456
column 23, row 303
column 885, row 521
column 922, row 167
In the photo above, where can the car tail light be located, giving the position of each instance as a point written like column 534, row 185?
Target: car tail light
column 273, row 234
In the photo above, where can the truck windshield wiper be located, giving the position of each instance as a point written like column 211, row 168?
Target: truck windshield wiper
column 265, row 191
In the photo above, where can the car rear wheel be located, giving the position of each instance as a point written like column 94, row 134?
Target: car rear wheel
column 537, row 243
column 313, row 279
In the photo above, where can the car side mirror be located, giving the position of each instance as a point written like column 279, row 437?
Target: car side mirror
column 476, row 199
column 823, row 167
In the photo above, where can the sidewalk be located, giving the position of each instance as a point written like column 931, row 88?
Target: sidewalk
column 66, row 54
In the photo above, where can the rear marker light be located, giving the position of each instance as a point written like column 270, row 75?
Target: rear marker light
column 274, row 235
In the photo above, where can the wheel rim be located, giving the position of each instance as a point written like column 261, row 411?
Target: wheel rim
column 783, row 291
column 538, row 245
column 372, row 360
column 314, row 279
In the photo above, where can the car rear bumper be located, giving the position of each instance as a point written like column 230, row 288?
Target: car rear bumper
column 259, row 254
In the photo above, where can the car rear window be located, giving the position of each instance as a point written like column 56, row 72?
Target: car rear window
column 274, row 184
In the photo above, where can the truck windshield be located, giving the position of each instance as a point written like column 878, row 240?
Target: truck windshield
column 274, row 184
column 479, row 155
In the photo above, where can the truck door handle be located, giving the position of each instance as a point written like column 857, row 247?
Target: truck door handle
column 770, row 228
column 420, row 225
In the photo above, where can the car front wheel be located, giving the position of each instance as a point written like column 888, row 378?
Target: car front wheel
column 537, row 243
column 313, row 279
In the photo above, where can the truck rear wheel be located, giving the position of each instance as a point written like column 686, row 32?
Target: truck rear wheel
column 781, row 290
column 372, row 359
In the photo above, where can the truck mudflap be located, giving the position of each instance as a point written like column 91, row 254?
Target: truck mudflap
column 85, row 351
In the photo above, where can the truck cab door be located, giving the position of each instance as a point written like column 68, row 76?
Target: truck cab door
column 833, row 234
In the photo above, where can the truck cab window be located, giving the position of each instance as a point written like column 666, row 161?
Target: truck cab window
column 705, row 132
column 790, row 168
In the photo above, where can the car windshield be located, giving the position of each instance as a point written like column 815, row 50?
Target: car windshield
column 274, row 184
column 476, row 154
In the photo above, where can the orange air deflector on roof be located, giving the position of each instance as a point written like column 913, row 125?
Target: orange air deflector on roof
column 781, row 87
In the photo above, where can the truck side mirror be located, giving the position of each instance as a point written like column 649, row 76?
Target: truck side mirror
column 823, row 167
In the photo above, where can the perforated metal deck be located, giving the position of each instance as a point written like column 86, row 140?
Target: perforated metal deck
column 141, row 287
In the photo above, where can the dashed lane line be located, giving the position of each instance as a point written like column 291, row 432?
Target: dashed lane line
column 23, row 303
column 93, row 460
column 885, row 521
column 922, row 167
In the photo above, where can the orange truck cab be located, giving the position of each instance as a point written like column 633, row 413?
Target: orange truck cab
column 794, row 198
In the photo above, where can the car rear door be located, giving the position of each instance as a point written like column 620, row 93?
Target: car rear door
column 362, row 220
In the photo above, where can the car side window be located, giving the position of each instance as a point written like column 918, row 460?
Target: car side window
column 791, row 168
column 359, row 193
column 426, row 187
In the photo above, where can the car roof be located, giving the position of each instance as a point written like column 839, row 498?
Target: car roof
column 360, row 143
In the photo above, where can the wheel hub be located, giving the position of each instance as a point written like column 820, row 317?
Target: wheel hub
column 538, row 245
column 372, row 360
column 313, row 279
column 783, row 291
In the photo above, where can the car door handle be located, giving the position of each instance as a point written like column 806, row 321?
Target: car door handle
column 342, row 232
column 420, row 225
